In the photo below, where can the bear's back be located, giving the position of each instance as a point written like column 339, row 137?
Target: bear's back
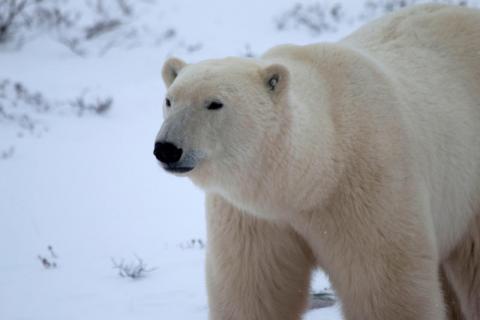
column 430, row 26
column 428, row 60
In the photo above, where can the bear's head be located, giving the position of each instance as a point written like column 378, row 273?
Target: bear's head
column 222, row 118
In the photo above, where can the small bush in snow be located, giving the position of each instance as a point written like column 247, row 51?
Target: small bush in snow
column 7, row 153
column 24, row 111
column 193, row 244
column 316, row 17
column 82, row 26
column 50, row 261
column 17, row 94
column 248, row 52
column 17, row 101
column 376, row 8
column 96, row 105
column 21, row 19
column 20, row 106
column 10, row 12
column 134, row 269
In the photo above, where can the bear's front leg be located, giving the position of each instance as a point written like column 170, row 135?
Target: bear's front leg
column 382, row 267
column 382, row 290
column 256, row 270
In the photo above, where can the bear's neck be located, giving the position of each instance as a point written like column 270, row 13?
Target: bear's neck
column 296, row 170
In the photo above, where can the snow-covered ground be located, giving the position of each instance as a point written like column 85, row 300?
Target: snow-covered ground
column 89, row 186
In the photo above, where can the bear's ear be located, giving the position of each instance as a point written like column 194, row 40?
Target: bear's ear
column 170, row 70
column 275, row 78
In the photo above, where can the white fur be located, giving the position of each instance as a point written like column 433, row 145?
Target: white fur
column 363, row 160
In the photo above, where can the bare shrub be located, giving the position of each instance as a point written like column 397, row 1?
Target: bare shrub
column 7, row 153
column 380, row 7
column 74, row 44
column 49, row 262
column 20, row 18
column 10, row 11
column 26, row 111
column 18, row 106
column 316, row 17
column 98, row 105
column 134, row 269
column 101, row 27
column 81, row 26
column 125, row 6
column 32, row 98
column 192, row 244
column 248, row 52
column 319, row 18
column 17, row 99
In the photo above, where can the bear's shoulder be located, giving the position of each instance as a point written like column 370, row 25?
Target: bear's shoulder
column 419, row 25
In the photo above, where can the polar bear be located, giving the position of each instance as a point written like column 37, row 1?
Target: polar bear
column 360, row 157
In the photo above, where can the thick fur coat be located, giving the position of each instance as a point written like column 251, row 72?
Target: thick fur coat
column 360, row 157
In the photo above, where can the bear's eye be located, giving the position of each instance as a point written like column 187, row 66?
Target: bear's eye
column 214, row 105
column 167, row 102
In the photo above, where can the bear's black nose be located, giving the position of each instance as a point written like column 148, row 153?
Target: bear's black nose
column 167, row 152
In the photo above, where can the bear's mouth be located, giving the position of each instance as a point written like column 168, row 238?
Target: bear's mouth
column 177, row 169
column 185, row 164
